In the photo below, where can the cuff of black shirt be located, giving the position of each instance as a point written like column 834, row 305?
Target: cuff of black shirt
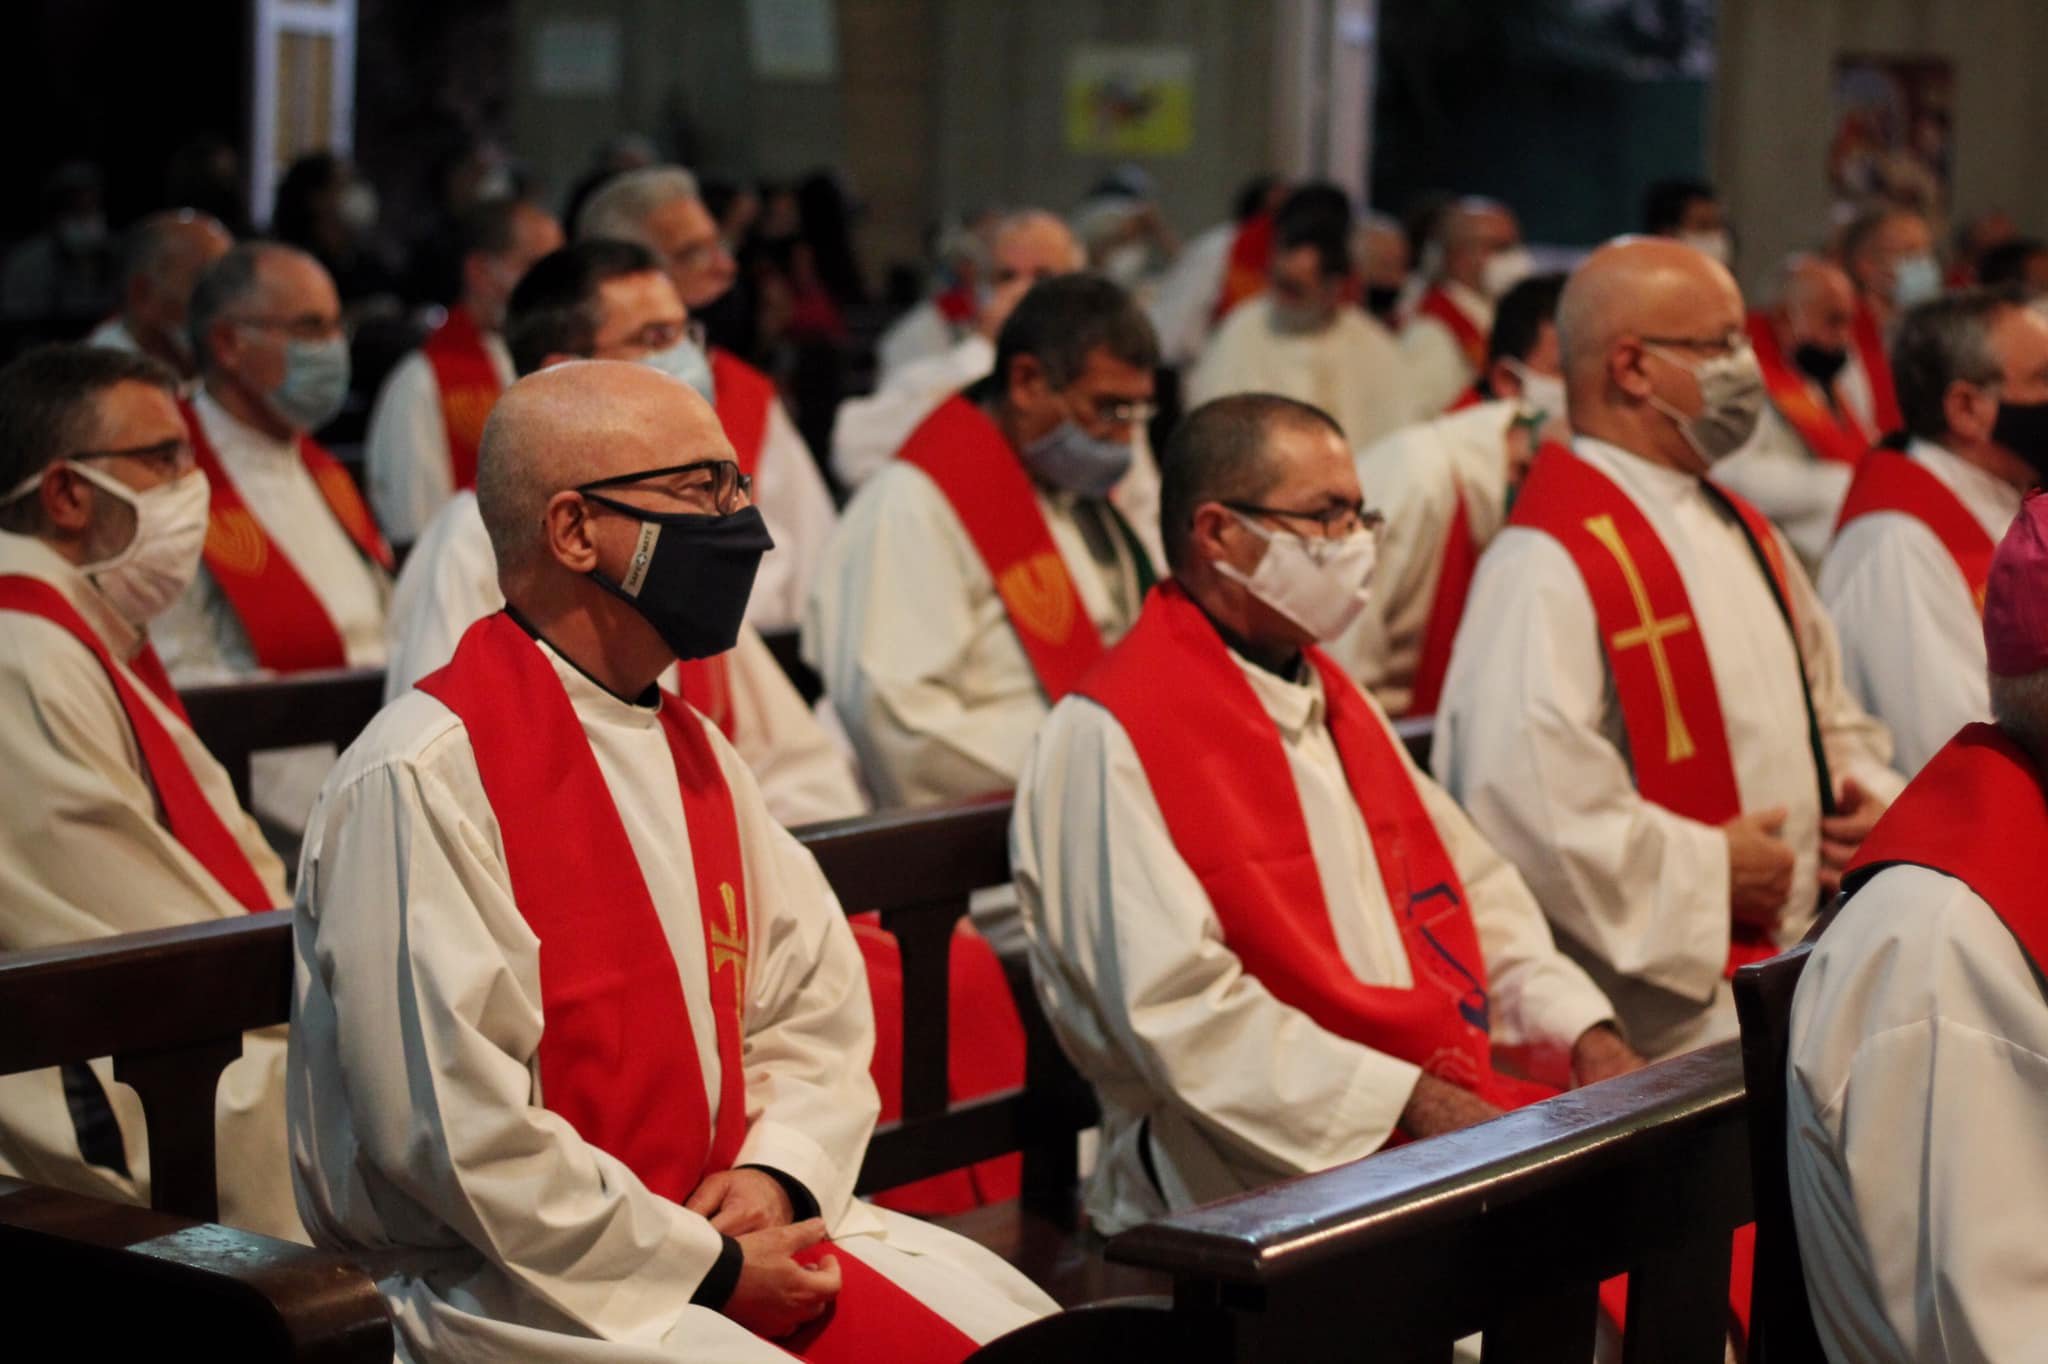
column 724, row 1276
column 802, row 1205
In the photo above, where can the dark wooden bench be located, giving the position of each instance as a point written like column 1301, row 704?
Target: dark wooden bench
column 170, row 1006
column 236, row 720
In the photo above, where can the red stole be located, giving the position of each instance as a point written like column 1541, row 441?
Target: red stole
column 287, row 626
column 705, row 685
column 1828, row 434
column 1870, row 352
column 191, row 817
column 1453, row 585
column 1677, row 739
column 1217, row 768
column 1889, row 481
column 618, row 1060
column 1437, row 304
column 983, row 481
column 1976, row 812
column 1244, row 268
column 469, row 387
column 746, row 396
column 956, row 305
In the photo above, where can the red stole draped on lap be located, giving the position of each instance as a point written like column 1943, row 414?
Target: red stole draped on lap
column 1877, row 366
column 1436, row 303
column 746, row 397
column 1889, row 481
column 1831, row 434
column 984, row 482
column 1976, row 812
column 1677, row 738
column 190, row 816
column 618, row 1058
column 1244, row 268
column 469, row 387
column 288, row 628
column 1216, row 765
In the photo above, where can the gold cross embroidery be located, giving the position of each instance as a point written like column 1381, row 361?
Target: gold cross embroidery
column 1649, row 632
column 729, row 947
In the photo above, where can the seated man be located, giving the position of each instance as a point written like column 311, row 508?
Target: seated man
column 1808, row 442
column 295, row 574
column 162, row 258
column 1905, row 577
column 1917, row 1089
column 580, row 1034
column 421, row 445
column 974, row 580
column 602, row 299
column 1645, row 709
column 1305, row 338
column 1477, row 256
column 1270, row 943
column 1444, row 486
column 1889, row 254
column 113, row 816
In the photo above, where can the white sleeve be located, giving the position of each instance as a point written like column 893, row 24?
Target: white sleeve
column 804, row 777
column 449, row 582
column 790, row 490
column 869, row 431
column 1107, row 897
column 405, row 451
column 1436, row 368
column 1523, row 743
column 1418, row 497
column 406, row 916
column 1187, row 295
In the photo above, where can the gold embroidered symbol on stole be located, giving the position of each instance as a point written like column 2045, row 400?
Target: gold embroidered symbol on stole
column 729, row 947
column 234, row 542
column 1649, row 632
column 1039, row 596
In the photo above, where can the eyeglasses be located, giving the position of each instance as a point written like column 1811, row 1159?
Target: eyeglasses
column 1116, row 412
column 1340, row 520
column 1727, row 344
column 308, row 328
column 715, row 485
column 173, row 456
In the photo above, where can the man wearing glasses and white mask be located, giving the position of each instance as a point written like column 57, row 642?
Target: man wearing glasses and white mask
column 1271, row 943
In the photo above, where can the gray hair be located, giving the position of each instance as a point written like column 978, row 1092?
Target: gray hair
column 233, row 279
column 2020, row 706
column 50, row 410
column 1941, row 342
column 620, row 206
column 155, row 243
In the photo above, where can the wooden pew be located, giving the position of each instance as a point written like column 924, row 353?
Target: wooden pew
column 1416, row 733
column 1508, row 1227
column 238, row 719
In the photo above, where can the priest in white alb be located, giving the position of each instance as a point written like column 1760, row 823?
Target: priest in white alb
column 162, row 258
column 1645, row 708
column 1917, row 1089
column 1306, row 337
column 972, row 581
column 1474, row 258
column 421, row 445
column 113, row 816
column 1889, row 254
column 580, row 1034
column 1444, row 486
column 1268, row 940
column 604, row 299
column 660, row 208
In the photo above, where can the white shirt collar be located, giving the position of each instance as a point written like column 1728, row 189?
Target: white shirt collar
column 1657, row 483
column 233, row 438
column 1293, row 706
column 593, row 702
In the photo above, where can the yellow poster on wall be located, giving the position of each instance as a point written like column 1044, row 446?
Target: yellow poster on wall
column 1130, row 100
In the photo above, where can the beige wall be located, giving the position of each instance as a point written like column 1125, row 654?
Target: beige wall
column 1771, row 107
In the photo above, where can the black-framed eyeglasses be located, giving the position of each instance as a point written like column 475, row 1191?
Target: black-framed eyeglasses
column 1726, row 344
column 1342, row 519
column 306, row 328
column 715, row 484
column 164, row 456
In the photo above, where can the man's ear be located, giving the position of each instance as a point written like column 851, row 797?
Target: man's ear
column 1968, row 411
column 1206, row 532
column 1026, row 380
column 1502, row 380
column 66, row 501
column 568, row 529
column 1625, row 369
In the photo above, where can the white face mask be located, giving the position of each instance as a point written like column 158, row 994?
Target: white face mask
column 1716, row 246
column 1505, row 269
column 1542, row 397
column 162, row 557
column 1320, row 585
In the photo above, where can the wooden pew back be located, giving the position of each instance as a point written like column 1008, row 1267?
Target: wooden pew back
column 236, row 720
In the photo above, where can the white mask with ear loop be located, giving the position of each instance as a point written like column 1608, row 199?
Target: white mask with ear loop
column 1320, row 585
column 161, row 558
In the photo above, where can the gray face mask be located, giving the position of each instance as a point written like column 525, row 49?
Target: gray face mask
column 315, row 383
column 1732, row 401
column 685, row 361
column 1070, row 459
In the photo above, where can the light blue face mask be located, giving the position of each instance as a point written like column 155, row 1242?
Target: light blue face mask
column 1070, row 459
column 685, row 361
column 1915, row 280
column 315, row 383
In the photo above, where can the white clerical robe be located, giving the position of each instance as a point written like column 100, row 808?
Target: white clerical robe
column 1859, row 393
column 798, row 510
column 202, row 640
column 918, row 654
column 1438, row 370
column 1417, row 477
column 918, row 335
column 1530, row 740
column 1351, row 369
column 1184, row 301
column 1200, row 1071
column 1912, row 636
column 85, row 853
column 450, row 581
column 1917, row 1100
column 418, row 1124
column 1780, row 477
column 405, row 450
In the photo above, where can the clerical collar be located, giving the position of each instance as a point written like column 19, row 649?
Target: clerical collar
column 1290, row 669
column 647, row 700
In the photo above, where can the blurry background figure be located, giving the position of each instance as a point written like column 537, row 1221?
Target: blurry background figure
column 68, row 271
column 1218, row 270
column 1974, row 239
column 1120, row 228
column 1379, row 256
column 162, row 258
column 614, row 156
column 962, row 254
column 476, row 172
column 205, row 174
column 2021, row 263
column 328, row 211
column 1690, row 211
column 1477, row 257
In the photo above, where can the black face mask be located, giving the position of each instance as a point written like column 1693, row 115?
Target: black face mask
column 690, row 575
column 1380, row 300
column 1819, row 363
column 2023, row 429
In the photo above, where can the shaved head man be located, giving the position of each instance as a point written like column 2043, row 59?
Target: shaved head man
column 1644, row 710
column 161, row 261
column 1477, row 256
column 677, row 1204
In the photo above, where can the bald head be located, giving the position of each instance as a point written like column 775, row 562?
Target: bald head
column 1035, row 244
column 572, row 424
column 1817, row 303
column 162, row 259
